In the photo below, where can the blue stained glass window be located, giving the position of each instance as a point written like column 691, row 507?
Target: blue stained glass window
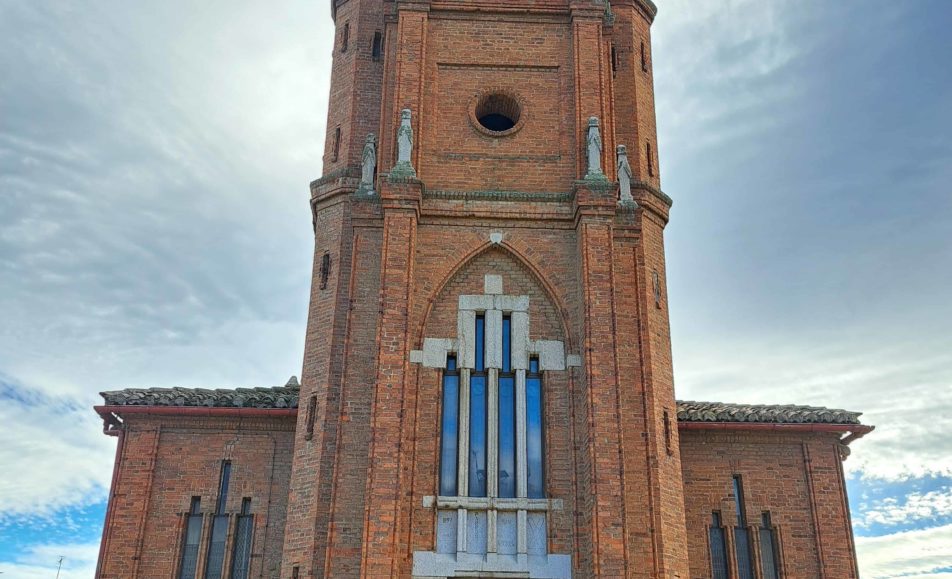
column 449, row 452
column 534, row 441
column 507, row 437
column 477, row 436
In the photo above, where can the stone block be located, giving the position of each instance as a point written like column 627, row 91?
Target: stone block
column 476, row 303
column 512, row 303
column 520, row 341
column 493, row 339
column 492, row 284
column 551, row 354
column 435, row 350
column 466, row 335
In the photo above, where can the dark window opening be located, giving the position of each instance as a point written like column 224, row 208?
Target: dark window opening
column 216, row 549
column 498, row 112
column 742, row 545
column 644, row 58
column 614, row 60
column 667, row 432
column 718, row 546
column 650, row 157
column 295, row 572
column 336, row 143
column 325, row 269
column 769, row 548
column 311, row 410
column 244, row 529
column 193, row 535
column 377, row 49
column 656, row 285
column 345, row 37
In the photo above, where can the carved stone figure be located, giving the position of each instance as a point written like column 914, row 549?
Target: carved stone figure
column 624, row 175
column 404, row 168
column 368, row 165
column 594, row 150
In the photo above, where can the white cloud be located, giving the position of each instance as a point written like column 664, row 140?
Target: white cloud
column 915, row 508
column 920, row 553
column 41, row 561
column 58, row 452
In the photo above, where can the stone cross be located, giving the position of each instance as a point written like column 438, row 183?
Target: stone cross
column 594, row 147
column 624, row 176
column 368, row 165
column 404, row 168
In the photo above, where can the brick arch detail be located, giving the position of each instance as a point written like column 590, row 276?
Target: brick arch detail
column 521, row 259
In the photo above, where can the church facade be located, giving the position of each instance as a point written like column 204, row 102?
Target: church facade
column 487, row 387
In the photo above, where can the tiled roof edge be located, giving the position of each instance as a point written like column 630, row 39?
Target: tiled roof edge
column 287, row 397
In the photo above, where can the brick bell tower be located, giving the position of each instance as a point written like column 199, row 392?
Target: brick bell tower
column 487, row 386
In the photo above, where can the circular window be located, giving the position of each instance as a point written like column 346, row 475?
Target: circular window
column 497, row 114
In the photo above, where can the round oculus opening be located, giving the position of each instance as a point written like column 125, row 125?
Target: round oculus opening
column 497, row 112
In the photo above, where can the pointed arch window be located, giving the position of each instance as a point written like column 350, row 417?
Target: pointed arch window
column 492, row 497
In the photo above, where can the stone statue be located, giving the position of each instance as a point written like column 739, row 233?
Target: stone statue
column 624, row 176
column 368, row 165
column 594, row 150
column 404, row 168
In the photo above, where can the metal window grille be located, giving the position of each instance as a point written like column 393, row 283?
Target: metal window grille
column 718, row 548
column 193, row 535
column 241, row 558
column 769, row 561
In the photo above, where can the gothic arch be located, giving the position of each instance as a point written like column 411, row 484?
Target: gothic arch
column 533, row 272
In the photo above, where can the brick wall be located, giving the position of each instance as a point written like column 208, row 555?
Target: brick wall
column 798, row 478
column 166, row 461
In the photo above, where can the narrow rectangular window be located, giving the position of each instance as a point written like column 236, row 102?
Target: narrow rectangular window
column 644, row 58
column 336, row 143
column 449, row 439
column 216, row 549
column 534, row 438
column 241, row 557
column 311, row 411
column 478, row 469
column 648, row 153
column 377, row 49
column 295, row 572
column 345, row 37
column 326, row 264
column 656, row 285
column 193, row 535
column 718, row 546
column 769, row 548
column 667, row 433
column 614, row 60
column 745, row 564
column 507, row 416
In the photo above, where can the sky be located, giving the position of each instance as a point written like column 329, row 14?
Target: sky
column 155, row 231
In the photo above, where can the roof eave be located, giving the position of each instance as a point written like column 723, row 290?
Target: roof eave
column 855, row 430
